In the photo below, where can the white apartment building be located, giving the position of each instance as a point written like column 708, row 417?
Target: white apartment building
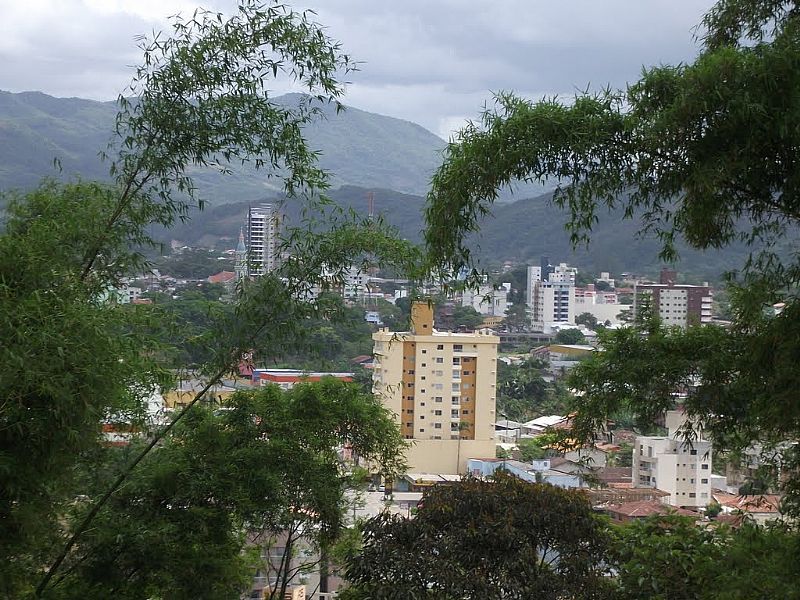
column 563, row 273
column 551, row 299
column 441, row 387
column 673, row 465
column 487, row 300
column 263, row 228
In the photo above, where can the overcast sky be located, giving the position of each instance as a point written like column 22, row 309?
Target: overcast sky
column 434, row 62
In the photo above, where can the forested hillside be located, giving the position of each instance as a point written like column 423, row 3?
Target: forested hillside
column 355, row 146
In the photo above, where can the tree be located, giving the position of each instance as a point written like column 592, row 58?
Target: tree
column 268, row 465
column 569, row 336
column 69, row 361
column 602, row 286
column 670, row 557
column 703, row 151
column 659, row 557
column 523, row 394
column 505, row 538
column 587, row 319
column 530, row 450
column 467, row 317
column 516, row 316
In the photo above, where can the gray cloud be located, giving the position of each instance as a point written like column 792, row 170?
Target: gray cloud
column 432, row 62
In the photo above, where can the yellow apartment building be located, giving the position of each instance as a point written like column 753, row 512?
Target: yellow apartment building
column 441, row 387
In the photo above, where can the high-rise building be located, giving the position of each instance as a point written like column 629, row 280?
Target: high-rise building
column 551, row 294
column 441, row 388
column 263, row 227
column 675, row 304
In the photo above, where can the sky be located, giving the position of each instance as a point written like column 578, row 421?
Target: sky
column 433, row 62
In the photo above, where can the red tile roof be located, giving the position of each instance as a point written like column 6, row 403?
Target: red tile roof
column 646, row 508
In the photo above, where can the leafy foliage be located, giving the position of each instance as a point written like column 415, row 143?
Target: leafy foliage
column 669, row 557
column 267, row 464
column 71, row 360
column 703, row 152
column 523, row 394
column 484, row 539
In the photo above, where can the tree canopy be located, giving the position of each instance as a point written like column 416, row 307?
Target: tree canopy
column 705, row 151
column 72, row 362
column 505, row 538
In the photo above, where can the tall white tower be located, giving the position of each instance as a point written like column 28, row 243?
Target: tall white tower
column 262, row 238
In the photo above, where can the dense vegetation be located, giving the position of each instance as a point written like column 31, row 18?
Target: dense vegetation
column 706, row 154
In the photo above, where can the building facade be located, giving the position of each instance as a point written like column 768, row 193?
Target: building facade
column 263, row 229
column 675, row 304
column 674, row 465
column 441, row 388
column 551, row 294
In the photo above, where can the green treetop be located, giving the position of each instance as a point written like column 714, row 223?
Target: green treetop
column 705, row 151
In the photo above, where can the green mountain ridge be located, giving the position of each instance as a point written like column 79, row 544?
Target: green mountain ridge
column 520, row 232
column 356, row 147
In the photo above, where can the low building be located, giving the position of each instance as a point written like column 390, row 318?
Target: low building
column 538, row 471
column 631, row 511
column 759, row 508
column 288, row 378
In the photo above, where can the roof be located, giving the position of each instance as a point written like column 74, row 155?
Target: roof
column 222, row 277
column 296, row 375
column 765, row 503
column 431, row 478
column 646, row 508
column 361, row 358
column 547, row 421
column 507, row 424
column 614, row 474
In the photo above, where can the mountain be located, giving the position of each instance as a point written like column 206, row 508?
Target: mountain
column 520, row 232
column 357, row 147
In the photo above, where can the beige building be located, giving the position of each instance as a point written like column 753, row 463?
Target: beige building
column 441, row 387
column 671, row 464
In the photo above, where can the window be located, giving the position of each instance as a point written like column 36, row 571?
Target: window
column 439, row 359
column 691, row 480
column 422, row 418
column 692, row 495
column 422, row 430
column 464, row 412
column 704, row 481
column 437, row 413
column 693, row 452
column 422, row 377
column 456, row 373
column 440, row 347
column 455, row 399
column 437, row 399
column 458, row 348
column 437, row 425
column 456, row 361
column 410, row 384
column 424, row 365
column 454, row 413
column 411, row 371
column 456, row 387
column 704, row 467
column 424, row 351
